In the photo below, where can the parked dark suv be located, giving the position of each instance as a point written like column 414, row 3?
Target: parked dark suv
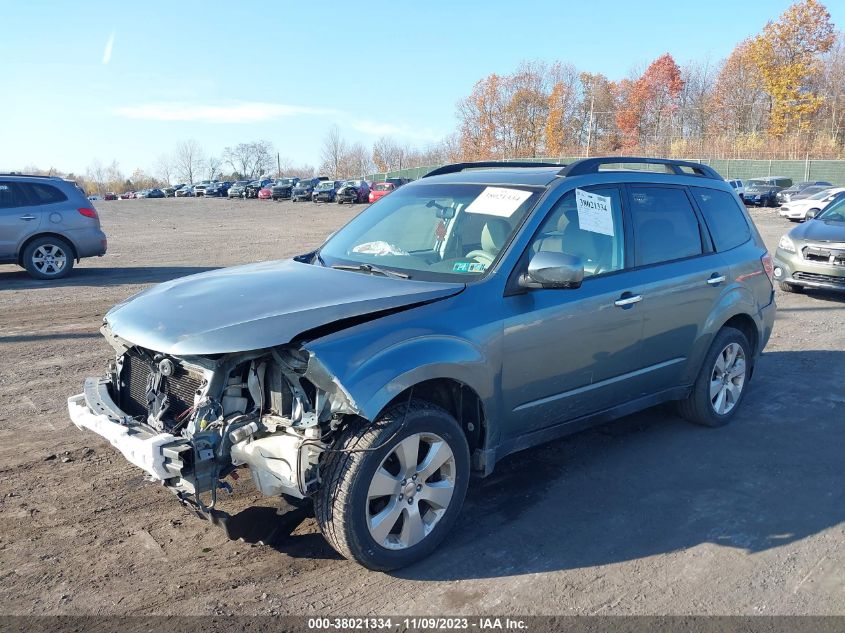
column 47, row 223
column 478, row 311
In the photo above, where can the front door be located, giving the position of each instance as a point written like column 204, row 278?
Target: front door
column 572, row 352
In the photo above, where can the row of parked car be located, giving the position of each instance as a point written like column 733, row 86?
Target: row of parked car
column 319, row 189
column 795, row 201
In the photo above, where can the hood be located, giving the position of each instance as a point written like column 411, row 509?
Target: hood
column 258, row 306
column 820, row 231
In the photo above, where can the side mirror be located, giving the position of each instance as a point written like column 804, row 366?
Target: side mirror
column 812, row 213
column 553, row 270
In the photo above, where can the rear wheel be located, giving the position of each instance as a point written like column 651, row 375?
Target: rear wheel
column 394, row 488
column 48, row 258
column 721, row 382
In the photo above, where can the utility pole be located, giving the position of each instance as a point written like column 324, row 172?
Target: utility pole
column 278, row 165
column 590, row 128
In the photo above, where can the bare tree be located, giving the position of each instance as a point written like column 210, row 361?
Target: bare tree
column 356, row 162
column 188, row 160
column 332, row 153
column 214, row 165
column 114, row 177
column 387, row 154
column 164, row 168
column 97, row 175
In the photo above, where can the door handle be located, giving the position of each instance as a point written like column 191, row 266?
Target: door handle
column 627, row 301
column 716, row 279
column 27, row 217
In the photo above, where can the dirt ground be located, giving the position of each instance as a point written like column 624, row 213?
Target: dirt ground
column 649, row 515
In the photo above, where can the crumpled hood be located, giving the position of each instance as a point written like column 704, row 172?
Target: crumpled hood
column 820, row 230
column 258, row 305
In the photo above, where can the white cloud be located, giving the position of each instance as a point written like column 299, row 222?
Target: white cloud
column 242, row 112
column 376, row 128
column 108, row 49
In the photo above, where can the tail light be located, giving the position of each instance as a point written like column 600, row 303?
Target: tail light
column 88, row 213
column 768, row 266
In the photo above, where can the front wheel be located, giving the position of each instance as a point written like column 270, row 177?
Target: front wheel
column 393, row 489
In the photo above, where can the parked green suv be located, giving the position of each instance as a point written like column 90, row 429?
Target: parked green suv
column 478, row 311
column 812, row 255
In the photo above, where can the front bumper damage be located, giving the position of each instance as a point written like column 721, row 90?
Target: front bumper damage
column 155, row 453
column 270, row 411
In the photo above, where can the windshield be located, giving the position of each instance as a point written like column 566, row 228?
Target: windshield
column 285, row 182
column 325, row 185
column 821, row 195
column 806, row 192
column 383, row 186
column 436, row 232
column 758, row 185
column 835, row 211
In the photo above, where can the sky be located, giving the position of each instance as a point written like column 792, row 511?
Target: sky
column 126, row 81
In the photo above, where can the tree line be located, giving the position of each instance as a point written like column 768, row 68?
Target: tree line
column 779, row 94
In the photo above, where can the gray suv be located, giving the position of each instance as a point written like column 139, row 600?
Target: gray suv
column 46, row 223
column 478, row 311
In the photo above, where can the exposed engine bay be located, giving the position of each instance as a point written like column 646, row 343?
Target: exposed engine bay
column 190, row 422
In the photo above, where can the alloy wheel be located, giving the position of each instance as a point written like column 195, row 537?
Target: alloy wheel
column 727, row 379
column 49, row 259
column 410, row 491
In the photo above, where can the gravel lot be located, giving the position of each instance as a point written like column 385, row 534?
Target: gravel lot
column 649, row 515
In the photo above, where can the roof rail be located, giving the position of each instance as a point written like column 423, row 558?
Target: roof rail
column 456, row 167
column 20, row 173
column 593, row 165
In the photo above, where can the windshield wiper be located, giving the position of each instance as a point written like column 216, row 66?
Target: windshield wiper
column 373, row 270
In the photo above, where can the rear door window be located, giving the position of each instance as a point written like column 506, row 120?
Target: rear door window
column 665, row 225
column 726, row 221
column 11, row 195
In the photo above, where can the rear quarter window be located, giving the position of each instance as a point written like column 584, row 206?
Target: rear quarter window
column 44, row 194
column 725, row 220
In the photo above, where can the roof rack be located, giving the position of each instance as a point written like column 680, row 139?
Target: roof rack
column 678, row 167
column 457, row 167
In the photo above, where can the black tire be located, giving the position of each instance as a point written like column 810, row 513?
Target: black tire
column 341, row 504
column 698, row 406
column 787, row 287
column 54, row 245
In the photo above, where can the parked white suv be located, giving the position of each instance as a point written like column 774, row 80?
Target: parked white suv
column 738, row 186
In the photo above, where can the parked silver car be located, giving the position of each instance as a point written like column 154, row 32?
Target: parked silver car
column 46, row 224
column 478, row 311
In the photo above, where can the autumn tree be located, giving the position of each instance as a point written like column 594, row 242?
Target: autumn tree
column 476, row 114
column 647, row 104
column 788, row 56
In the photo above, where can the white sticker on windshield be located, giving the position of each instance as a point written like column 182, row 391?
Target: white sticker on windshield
column 595, row 213
column 498, row 201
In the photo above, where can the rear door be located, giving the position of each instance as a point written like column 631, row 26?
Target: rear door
column 679, row 276
column 18, row 219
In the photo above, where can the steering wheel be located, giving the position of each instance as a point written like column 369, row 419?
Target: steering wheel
column 482, row 257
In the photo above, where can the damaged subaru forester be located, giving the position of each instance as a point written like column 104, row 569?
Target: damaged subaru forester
column 478, row 311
